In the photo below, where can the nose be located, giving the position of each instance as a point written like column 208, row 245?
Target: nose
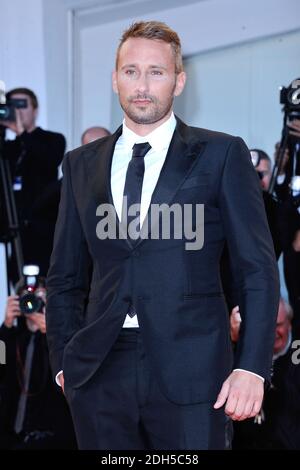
column 142, row 83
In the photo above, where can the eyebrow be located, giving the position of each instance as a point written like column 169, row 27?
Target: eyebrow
column 151, row 66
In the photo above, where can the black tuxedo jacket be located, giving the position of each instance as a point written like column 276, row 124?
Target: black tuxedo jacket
column 177, row 293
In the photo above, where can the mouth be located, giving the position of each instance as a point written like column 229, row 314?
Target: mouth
column 140, row 102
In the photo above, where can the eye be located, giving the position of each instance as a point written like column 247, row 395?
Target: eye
column 130, row 72
column 156, row 72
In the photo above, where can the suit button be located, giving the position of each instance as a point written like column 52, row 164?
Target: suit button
column 136, row 253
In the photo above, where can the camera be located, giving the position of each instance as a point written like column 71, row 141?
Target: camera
column 8, row 107
column 7, row 111
column 290, row 98
column 29, row 301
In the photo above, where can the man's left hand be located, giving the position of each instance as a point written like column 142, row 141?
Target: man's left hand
column 243, row 394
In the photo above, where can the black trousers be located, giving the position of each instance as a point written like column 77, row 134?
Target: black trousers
column 122, row 408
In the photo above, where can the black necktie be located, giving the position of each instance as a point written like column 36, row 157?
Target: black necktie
column 134, row 183
column 133, row 189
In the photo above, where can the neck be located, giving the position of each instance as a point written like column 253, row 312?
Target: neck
column 145, row 129
column 31, row 128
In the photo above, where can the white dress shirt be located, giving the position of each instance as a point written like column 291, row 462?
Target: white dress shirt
column 159, row 139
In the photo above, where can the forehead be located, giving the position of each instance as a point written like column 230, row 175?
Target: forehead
column 22, row 96
column 264, row 163
column 145, row 51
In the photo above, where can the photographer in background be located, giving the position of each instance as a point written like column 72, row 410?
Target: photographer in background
column 93, row 133
column 33, row 412
column 263, row 166
column 34, row 156
column 287, row 189
column 285, row 170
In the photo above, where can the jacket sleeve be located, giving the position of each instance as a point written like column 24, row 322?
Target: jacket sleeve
column 68, row 275
column 253, row 258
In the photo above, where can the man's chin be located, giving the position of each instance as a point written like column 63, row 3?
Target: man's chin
column 141, row 115
column 144, row 117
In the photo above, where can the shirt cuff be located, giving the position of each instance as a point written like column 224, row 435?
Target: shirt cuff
column 259, row 376
column 56, row 378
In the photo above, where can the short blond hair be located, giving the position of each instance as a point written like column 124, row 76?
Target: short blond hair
column 154, row 30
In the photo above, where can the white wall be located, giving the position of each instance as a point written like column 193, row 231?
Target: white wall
column 22, row 51
column 22, row 63
column 236, row 89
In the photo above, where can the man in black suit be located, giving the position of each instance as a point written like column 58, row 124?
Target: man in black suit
column 34, row 156
column 137, row 324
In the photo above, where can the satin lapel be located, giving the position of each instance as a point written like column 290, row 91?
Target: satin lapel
column 182, row 155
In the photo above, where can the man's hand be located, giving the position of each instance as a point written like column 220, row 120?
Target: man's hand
column 243, row 394
column 39, row 320
column 62, row 381
column 12, row 310
column 16, row 126
column 235, row 324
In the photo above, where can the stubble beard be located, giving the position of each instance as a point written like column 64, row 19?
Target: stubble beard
column 149, row 114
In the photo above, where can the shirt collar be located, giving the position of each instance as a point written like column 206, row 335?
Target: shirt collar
column 159, row 139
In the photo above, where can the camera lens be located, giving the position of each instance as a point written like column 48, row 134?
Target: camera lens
column 30, row 303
